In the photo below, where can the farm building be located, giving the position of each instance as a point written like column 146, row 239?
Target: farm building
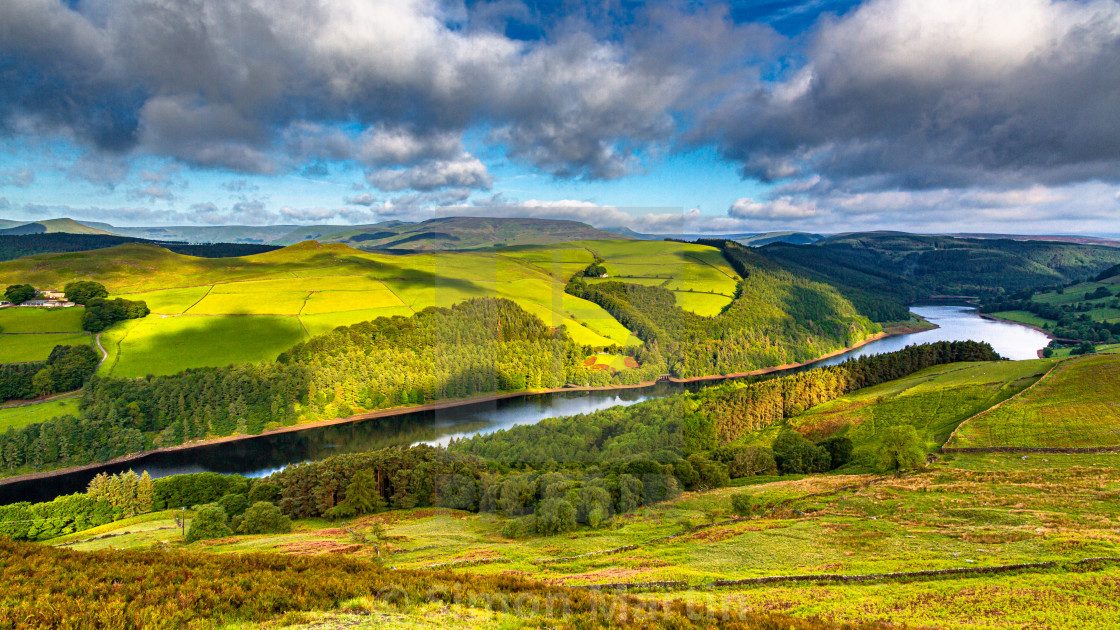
column 52, row 294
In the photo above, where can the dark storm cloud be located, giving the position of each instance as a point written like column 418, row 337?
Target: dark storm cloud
column 913, row 94
column 260, row 87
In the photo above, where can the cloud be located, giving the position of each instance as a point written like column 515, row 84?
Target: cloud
column 465, row 171
column 924, row 95
column 240, row 185
column 203, row 134
column 4, row 203
column 1088, row 207
column 100, row 169
column 254, row 87
column 364, row 199
column 152, row 192
column 20, row 178
column 780, row 209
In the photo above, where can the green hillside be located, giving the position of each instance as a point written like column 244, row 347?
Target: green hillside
column 934, row 401
column 705, row 321
column 909, row 267
column 269, row 301
column 1076, row 405
column 51, row 226
column 1088, row 311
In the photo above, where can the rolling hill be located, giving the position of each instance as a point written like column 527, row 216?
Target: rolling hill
column 52, row 226
column 910, row 267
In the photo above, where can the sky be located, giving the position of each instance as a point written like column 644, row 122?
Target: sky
column 665, row 117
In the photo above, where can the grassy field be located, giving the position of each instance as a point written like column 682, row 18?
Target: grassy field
column 168, row 344
column 966, row 511
column 1023, row 317
column 19, row 348
column 934, row 401
column 252, row 308
column 12, row 417
column 699, row 277
column 1075, row 406
column 40, row 320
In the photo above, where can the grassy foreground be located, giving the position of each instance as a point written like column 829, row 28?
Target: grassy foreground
column 966, row 511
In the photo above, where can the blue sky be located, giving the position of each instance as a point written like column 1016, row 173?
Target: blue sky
column 819, row 115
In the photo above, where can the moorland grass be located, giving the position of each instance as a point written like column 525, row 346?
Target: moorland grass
column 935, row 401
column 1076, row 406
column 966, row 511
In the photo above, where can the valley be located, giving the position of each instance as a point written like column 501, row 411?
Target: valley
column 412, row 414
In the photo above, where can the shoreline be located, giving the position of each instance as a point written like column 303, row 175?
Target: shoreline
column 893, row 331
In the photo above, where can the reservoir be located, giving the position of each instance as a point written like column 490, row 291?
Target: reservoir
column 264, row 454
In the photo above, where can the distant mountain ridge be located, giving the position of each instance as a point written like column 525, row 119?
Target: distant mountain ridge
column 751, row 239
column 52, row 226
column 453, row 233
column 431, row 235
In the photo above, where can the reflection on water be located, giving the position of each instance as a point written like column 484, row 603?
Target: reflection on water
column 268, row 453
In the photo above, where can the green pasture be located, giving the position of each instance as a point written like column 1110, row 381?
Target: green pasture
column 40, row 320
column 706, row 304
column 679, row 267
column 1075, row 406
column 1077, row 293
column 169, row 301
column 166, row 345
column 13, row 417
column 324, row 302
column 1023, row 317
column 249, row 304
column 319, row 323
column 934, row 401
column 21, row 348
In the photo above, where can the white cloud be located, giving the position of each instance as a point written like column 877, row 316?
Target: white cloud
column 464, row 171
